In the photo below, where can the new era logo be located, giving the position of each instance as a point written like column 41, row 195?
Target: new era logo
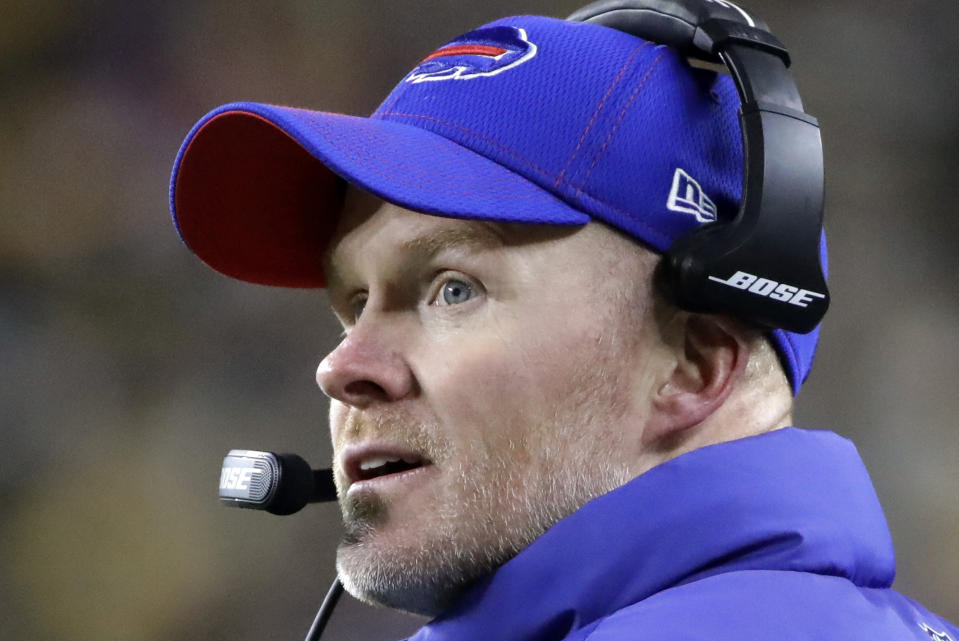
column 687, row 197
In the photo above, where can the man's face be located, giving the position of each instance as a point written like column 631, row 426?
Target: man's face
column 492, row 378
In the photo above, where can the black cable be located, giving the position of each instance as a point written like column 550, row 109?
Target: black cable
column 326, row 611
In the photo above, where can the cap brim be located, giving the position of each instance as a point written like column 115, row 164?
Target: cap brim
column 256, row 189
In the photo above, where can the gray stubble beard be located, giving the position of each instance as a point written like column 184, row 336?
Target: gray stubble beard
column 493, row 515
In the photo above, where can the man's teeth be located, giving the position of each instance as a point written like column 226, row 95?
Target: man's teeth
column 373, row 463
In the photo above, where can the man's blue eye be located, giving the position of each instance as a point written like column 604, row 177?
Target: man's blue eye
column 455, row 292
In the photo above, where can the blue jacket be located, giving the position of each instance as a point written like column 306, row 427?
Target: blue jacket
column 778, row 536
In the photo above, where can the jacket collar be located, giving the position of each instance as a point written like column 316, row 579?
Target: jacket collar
column 787, row 500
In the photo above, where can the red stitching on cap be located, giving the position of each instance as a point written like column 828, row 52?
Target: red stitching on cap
column 599, row 108
column 483, row 137
column 397, row 93
column 427, row 174
column 545, row 196
column 404, row 180
column 619, row 121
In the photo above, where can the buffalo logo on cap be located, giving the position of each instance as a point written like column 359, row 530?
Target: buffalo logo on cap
column 477, row 54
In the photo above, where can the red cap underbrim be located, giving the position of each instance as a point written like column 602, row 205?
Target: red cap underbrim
column 257, row 189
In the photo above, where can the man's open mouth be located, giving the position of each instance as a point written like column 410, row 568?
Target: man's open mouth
column 365, row 463
column 372, row 468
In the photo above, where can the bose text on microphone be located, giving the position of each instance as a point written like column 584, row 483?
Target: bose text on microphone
column 278, row 483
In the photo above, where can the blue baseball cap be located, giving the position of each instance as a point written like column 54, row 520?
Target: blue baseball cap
column 527, row 119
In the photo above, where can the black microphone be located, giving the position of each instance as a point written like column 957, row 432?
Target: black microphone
column 278, row 483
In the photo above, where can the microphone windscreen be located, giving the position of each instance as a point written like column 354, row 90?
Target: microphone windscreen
column 248, row 478
column 280, row 484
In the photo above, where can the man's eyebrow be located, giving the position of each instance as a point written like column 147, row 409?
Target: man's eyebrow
column 479, row 234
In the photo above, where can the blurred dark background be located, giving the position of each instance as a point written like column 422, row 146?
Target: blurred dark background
column 129, row 368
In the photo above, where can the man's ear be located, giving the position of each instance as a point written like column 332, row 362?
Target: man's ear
column 710, row 354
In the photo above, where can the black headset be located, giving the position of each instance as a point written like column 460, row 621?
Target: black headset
column 763, row 266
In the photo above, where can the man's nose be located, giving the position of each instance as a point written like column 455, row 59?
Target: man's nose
column 363, row 370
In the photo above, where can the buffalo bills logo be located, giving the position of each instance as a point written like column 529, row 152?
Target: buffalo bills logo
column 477, row 54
